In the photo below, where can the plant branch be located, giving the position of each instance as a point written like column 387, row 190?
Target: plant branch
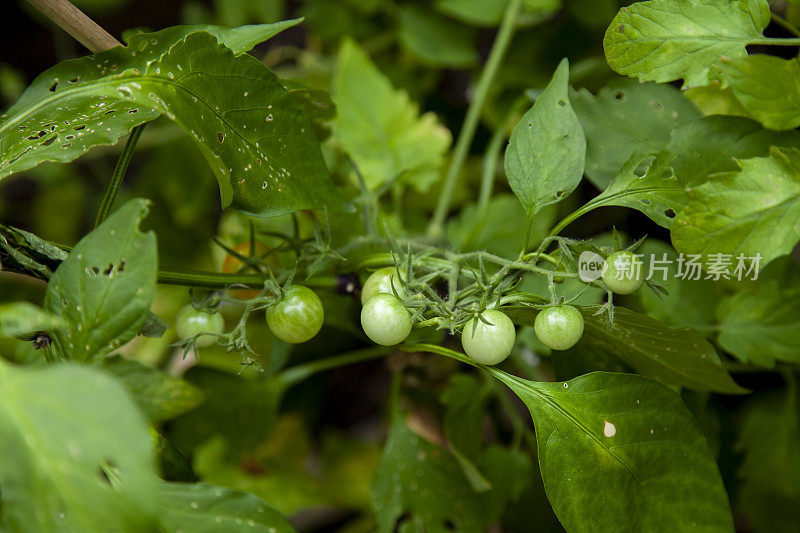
column 73, row 21
column 299, row 373
column 788, row 26
column 119, row 174
column 499, row 49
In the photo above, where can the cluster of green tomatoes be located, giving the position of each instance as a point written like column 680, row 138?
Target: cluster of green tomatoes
column 487, row 338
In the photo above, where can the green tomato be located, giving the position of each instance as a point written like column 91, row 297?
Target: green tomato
column 190, row 321
column 491, row 343
column 559, row 327
column 385, row 320
column 623, row 273
column 381, row 282
column 298, row 316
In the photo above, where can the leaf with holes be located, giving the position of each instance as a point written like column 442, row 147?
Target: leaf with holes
column 60, row 427
column 673, row 356
column 658, row 184
column 768, row 88
column 545, row 158
column 203, row 508
column 750, row 212
column 626, row 117
column 253, row 133
column 105, row 287
column 666, row 40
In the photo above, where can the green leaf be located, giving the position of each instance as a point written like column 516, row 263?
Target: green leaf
column 626, row 117
column 23, row 318
column 659, row 184
column 381, row 128
column 665, row 40
column 673, row 356
column 25, row 253
column 753, row 211
column 254, row 135
column 59, row 428
column 490, row 12
column 759, row 324
column 463, row 425
column 437, row 40
column 770, row 485
column 203, row 508
column 768, row 88
column 647, row 186
column 545, row 158
column 424, row 481
column 105, row 287
column 603, row 435
column 159, row 396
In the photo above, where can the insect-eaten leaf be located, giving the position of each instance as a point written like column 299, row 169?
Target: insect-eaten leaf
column 545, row 158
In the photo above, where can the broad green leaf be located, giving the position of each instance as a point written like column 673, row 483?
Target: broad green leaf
column 466, row 402
column 545, row 158
column 23, row 318
column 768, row 88
column 659, row 184
column 203, row 508
column 227, row 411
column 673, row 356
column 714, row 100
column 381, row 128
column 59, row 427
column 437, row 40
column 666, row 40
column 490, row 12
column 159, row 396
column 254, row 135
column 105, row 287
column 626, row 117
column 619, row 445
column 759, row 324
column 423, row 481
column 753, row 211
column 769, row 440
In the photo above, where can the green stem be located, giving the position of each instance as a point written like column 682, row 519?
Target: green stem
column 788, row 26
column 572, row 217
column 216, row 280
column 488, row 174
column 499, row 49
column 296, row 374
column 119, row 173
column 776, row 41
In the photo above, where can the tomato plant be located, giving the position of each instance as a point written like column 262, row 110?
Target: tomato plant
column 297, row 265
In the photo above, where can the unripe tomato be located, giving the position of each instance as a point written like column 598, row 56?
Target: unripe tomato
column 190, row 321
column 298, row 316
column 559, row 327
column 491, row 343
column 385, row 320
column 623, row 273
column 381, row 282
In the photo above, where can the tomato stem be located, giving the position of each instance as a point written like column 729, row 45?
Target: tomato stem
column 119, row 174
